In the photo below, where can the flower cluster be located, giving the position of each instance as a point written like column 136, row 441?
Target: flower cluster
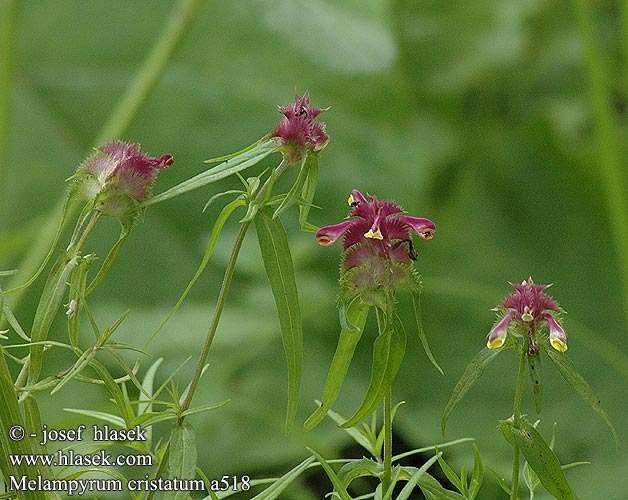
column 118, row 176
column 528, row 309
column 378, row 249
column 297, row 132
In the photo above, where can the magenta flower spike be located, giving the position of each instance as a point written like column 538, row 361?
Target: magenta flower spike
column 377, row 243
column 298, row 133
column 118, row 176
column 528, row 309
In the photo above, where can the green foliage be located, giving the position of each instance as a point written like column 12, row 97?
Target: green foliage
column 472, row 373
column 388, row 352
column 354, row 321
column 543, row 461
column 273, row 244
column 570, row 373
column 182, row 462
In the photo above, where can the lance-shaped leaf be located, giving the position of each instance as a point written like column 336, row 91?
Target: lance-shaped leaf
column 355, row 315
column 6, row 313
column 339, row 488
column 543, row 461
column 273, row 491
column 49, row 304
column 308, row 192
column 220, row 222
column 469, row 377
column 416, row 303
column 293, row 195
column 126, row 230
column 247, row 158
column 569, row 372
column 388, row 351
column 275, row 251
column 10, row 416
column 182, row 459
column 76, row 296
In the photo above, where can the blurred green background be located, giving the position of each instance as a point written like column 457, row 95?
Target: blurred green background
column 477, row 115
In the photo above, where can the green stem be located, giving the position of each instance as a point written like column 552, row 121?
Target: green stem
column 387, row 477
column 612, row 169
column 224, row 289
column 8, row 11
column 220, row 304
column 517, row 420
column 150, row 71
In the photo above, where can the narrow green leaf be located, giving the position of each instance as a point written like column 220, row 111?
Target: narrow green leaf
column 277, row 488
column 119, row 398
column 388, row 351
column 99, row 415
column 416, row 303
column 220, row 159
column 477, row 476
column 569, row 372
column 543, row 461
column 293, row 195
column 10, row 415
column 50, row 301
column 245, row 159
column 360, row 436
column 339, row 488
column 109, row 259
column 51, row 251
column 534, row 367
column 145, row 405
column 273, row 244
column 425, row 449
column 182, row 460
column 404, row 494
column 449, row 473
column 356, row 314
column 433, row 490
column 359, row 468
column 500, row 481
column 78, row 366
column 308, row 192
column 76, row 296
column 11, row 319
column 33, row 421
column 220, row 222
column 470, row 376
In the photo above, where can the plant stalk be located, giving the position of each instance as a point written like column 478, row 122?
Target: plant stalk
column 517, row 420
column 387, row 477
column 224, row 289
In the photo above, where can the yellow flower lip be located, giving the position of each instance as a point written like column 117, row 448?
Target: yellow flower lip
column 558, row 344
column 495, row 343
column 428, row 234
column 377, row 235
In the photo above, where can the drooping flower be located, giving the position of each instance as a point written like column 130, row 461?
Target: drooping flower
column 378, row 248
column 526, row 311
column 298, row 133
column 118, row 176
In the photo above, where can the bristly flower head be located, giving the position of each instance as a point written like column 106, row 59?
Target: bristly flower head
column 298, row 133
column 378, row 249
column 118, row 176
column 528, row 309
